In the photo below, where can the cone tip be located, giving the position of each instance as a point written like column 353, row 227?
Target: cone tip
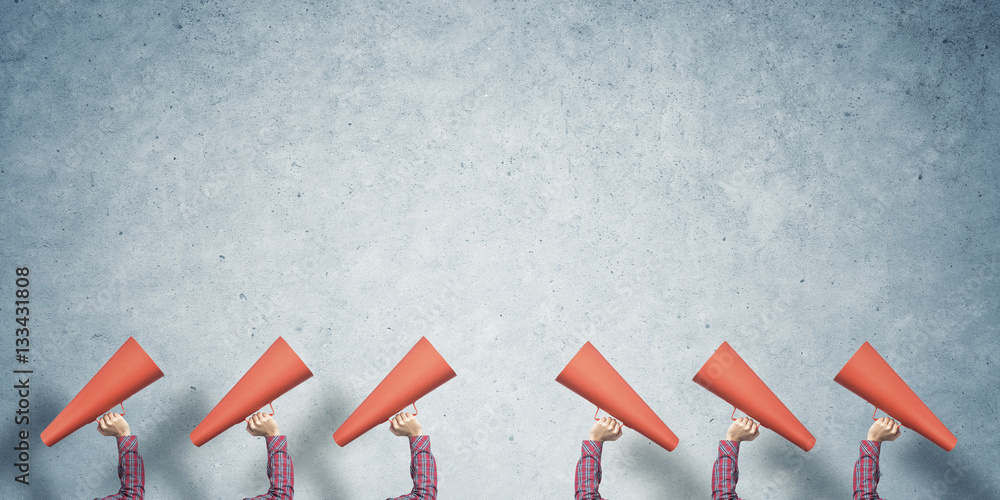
column 809, row 445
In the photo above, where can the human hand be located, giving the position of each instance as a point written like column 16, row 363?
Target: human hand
column 113, row 424
column 606, row 429
column 743, row 429
column 884, row 429
column 263, row 425
column 404, row 424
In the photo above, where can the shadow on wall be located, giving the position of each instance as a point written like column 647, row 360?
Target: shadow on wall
column 169, row 448
column 793, row 473
column 946, row 474
column 42, row 481
column 319, row 465
column 672, row 474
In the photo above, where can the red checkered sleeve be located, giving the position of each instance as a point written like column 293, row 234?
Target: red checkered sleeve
column 130, row 470
column 588, row 471
column 423, row 470
column 726, row 471
column 279, row 470
column 866, row 473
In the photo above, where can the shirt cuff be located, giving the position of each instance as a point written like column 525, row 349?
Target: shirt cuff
column 276, row 444
column 729, row 449
column 419, row 443
column 871, row 448
column 128, row 443
column 593, row 448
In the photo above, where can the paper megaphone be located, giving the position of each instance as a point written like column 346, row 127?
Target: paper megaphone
column 419, row 372
column 592, row 377
column 128, row 371
column 868, row 375
column 726, row 375
column 275, row 373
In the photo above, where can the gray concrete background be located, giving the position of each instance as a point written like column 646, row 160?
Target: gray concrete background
column 509, row 179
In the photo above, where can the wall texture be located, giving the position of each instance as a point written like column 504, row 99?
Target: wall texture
column 509, row 179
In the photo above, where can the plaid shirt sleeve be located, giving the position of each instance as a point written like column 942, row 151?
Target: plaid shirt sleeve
column 279, row 470
column 130, row 470
column 866, row 473
column 423, row 470
column 588, row 471
column 726, row 472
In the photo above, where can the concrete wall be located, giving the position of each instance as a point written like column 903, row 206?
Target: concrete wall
column 509, row 179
